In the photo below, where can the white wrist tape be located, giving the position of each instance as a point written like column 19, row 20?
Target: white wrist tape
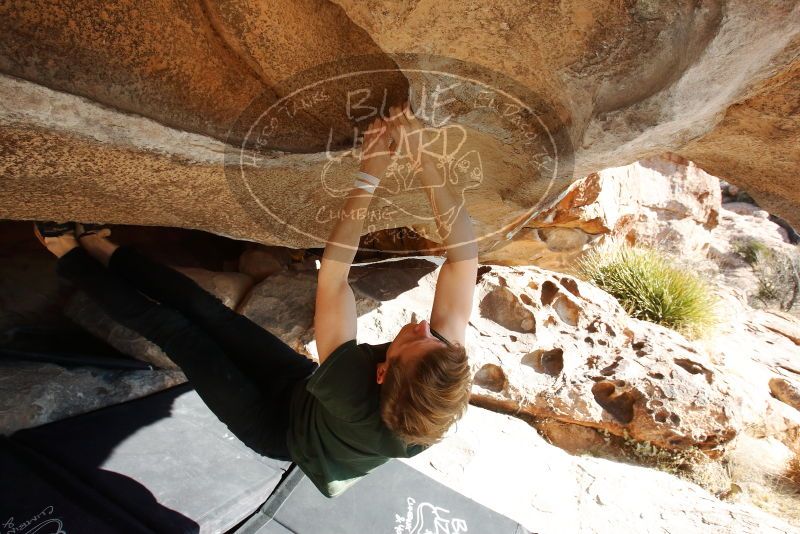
column 365, row 181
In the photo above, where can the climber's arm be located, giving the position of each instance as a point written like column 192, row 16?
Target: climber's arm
column 335, row 312
column 455, row 287
column 452, row 303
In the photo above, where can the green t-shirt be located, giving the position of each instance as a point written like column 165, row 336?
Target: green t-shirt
column 336, row 434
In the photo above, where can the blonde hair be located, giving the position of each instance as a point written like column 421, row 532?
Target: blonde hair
column 420, row 400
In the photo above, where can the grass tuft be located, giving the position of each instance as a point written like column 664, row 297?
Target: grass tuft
column 777, row 272
column 650, row 288
column 751, row 250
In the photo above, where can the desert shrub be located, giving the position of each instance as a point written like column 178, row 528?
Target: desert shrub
column 651, row 288
column 778, row 277
column 778, row 274
column 751, row 250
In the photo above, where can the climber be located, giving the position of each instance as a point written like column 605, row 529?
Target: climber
column 362, row 404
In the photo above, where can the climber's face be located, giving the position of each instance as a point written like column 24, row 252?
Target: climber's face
column 412, row 342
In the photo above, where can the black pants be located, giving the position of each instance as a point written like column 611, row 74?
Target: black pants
column 242, row 372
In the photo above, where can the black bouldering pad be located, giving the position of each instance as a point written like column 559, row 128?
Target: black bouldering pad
column 164, row 460
column 394, row 499
column 36, row 496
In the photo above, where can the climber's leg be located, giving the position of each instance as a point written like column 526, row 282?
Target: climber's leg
column 260, row 354
column 253, row 414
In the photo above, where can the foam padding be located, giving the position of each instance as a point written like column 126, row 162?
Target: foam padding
column 394, row 499
column 164, row 459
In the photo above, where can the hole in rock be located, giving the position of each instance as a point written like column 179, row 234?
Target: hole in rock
column 571, row 285
column 638, row 347
column 502, row 307
column 549, row 362
column 491, row 377
column 482, row 270
column 609, row 370
column 549, row 292
column 694, row 368
column 551, row 321
column 628, row 333
column 618, row 404
column 568, row 311
column 512, row 337
column 661, row 416
column 526, row 299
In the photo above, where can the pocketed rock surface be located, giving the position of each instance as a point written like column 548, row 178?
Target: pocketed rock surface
column 552, row 346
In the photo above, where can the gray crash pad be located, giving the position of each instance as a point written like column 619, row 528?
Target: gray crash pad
column 394, row 499
column 165, row 460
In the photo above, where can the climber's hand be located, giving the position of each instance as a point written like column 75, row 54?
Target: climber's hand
column 376, row 153
column 412, row 139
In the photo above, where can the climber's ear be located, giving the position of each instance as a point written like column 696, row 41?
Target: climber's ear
column 381, row 372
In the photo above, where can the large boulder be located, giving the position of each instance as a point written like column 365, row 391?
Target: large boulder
column 143, row 142
column 632, row 77
column 554, row 347
column 664, row 201
column 35, row 393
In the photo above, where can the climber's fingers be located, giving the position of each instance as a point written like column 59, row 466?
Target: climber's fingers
column 381, row 133
column 376, row 139
column 393, row 125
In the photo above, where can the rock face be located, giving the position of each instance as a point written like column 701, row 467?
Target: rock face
column 284, row 305
column 662, row 201
column 34, row 393
column 220, row 56
column 116, row 125
column 739, row 224
column 570, row 353
column 785, row 391
column 633, row 76
column 550, row 491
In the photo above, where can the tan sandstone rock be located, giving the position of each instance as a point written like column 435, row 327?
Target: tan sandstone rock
column 714, row 82
column 570, row 353
column 786, row 391
column 258, row 261
column 630, row 77
column 663, row 201
column 284, row 304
